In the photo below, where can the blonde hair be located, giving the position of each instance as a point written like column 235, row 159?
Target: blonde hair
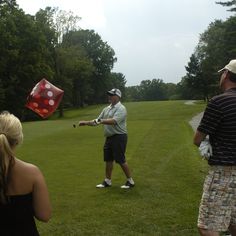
column 10, row 135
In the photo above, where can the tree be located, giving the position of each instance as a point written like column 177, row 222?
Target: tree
column 76, row 70
column 215, row 48
column 100, row 54
column 116, row 80
column 11, row 4
column 153, row 90
column 133, row 93
column 231, row 3
column 194, row 75
column 51, row 45
column 23, row 59
column 229, row 38
column 171, row 91
column 186, row 92
column 60, row 23
column 64, row 23
column 199, row 76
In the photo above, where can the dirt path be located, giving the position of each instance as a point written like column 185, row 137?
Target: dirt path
column 195, row 121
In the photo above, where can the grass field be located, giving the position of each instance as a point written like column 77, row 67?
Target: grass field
column 165, row 164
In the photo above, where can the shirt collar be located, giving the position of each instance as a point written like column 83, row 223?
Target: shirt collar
column 116, row 105
column 231, row 90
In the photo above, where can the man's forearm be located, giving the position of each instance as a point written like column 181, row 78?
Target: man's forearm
column 198, row 138
column 109, row 121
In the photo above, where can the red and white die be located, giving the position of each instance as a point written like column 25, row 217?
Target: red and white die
column 44, row 98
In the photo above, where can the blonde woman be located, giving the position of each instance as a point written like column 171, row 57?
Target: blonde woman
column 23, row 191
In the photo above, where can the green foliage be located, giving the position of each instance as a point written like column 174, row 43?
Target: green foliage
column 151, row 90
column 229, row 38
column 51, row 45
column 23, row 59
column 215, row 49
column 102, row 57
column 77, row 71
column 8, row 3
column 165, row 164
column 133, row 93
column 99, row 52
column 197, row 79
column 184, row 91
column 116, row 80
column 231, row 3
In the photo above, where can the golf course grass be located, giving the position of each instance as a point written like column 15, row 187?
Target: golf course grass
column 166, row 168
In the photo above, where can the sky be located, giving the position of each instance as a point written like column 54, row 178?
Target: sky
column 152, row 39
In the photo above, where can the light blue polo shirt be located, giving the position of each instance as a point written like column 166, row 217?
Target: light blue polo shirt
column 118, row 113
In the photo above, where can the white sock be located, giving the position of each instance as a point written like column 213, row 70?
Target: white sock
column 131, row 180
column 108, row 181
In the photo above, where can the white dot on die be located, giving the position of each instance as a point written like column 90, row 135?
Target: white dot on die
column 51, row 102
column 35, row 104
column 50, row 93
column 48, row 86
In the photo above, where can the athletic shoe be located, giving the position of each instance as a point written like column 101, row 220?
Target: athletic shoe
column 104, row 184
column 127, row 185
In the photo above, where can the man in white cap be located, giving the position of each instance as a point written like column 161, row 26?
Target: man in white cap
column 113, row 118
column 217, row 211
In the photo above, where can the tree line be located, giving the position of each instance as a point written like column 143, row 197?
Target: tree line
column 216, row 47
column 51, row 45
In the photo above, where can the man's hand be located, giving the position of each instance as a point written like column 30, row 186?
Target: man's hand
column 90, row 122
column 205, row 149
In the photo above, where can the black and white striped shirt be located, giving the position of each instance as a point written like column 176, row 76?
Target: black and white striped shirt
column 219, row 122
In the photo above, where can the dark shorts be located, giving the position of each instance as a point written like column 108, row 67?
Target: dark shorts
column 114, row 148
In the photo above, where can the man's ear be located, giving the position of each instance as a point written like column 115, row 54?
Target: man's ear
column 227, row 74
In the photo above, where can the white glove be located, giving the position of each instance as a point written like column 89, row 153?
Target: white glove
column 205, row 149
column 97, row 121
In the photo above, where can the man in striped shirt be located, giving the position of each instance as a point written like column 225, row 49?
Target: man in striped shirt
column 217, row 211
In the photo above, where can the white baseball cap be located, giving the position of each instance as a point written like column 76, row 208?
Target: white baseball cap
column 230, row 67
column 114, row 91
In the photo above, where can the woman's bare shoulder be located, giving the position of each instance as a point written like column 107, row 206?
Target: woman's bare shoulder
column 26, row 167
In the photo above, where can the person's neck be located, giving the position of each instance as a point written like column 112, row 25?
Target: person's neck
column 230, row 86
column 114, row 103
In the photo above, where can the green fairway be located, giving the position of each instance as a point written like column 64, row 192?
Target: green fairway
column 166, row 168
